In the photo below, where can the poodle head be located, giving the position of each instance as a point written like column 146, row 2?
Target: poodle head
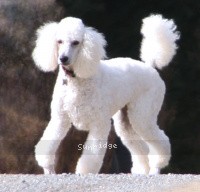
column 70, row 44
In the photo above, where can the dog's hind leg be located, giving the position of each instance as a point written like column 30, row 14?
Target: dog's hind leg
column 94, row 148
column 134, row 143
column 46, row 148
column 160, row 149
column 143, row 117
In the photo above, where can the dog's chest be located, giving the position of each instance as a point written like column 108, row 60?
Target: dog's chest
column 82, row 103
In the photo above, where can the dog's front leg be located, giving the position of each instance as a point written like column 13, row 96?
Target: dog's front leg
column 46, row 148
column 94, row 148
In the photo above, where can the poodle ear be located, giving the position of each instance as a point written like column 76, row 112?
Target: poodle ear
column 45, row 52
column 92, row 51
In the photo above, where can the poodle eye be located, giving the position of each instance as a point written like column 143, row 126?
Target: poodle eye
column 60, row 41
column 74, row 43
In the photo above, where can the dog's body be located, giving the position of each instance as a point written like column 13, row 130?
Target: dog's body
column 90, row 91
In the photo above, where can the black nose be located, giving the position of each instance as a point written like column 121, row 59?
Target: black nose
column 64, row 59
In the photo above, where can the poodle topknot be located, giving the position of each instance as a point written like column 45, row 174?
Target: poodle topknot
column 90, row 90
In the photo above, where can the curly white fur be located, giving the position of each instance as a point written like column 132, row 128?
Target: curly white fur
column 45, row 54
column 97, row 90
column 158, row 45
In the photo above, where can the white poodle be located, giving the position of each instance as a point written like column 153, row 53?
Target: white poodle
column 89, row 91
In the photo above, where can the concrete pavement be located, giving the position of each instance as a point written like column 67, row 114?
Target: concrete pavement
column 100, row 182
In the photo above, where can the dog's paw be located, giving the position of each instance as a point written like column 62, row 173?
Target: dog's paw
column 46, row 162
column 139, row 170
column 49, row 170
column 154, row 171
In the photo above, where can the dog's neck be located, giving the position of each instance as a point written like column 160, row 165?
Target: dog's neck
column 68, row 76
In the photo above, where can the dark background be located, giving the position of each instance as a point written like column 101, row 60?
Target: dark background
column 25, row 92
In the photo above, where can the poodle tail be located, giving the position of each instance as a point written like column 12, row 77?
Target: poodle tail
column 159, row 41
